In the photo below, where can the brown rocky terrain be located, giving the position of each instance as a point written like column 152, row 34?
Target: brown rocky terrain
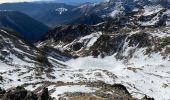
column 106, row 92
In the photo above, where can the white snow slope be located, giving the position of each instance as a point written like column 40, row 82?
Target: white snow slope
column 142, row 74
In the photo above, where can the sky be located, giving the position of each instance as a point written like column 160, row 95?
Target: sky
column 5, row 1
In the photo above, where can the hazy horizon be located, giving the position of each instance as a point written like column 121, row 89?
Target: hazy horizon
column 63, row 1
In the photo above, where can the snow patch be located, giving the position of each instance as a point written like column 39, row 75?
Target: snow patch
column 59, row 91
column 61, row 10
column 92, row 38
column 115, row 13
column 142, row 74
column 149, row 10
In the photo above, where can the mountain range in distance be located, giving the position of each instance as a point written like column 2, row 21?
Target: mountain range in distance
column 29, row 28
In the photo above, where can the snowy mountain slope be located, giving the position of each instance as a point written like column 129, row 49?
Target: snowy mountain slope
column 121, row 50
column 21, row 62
column 113, row 8
column 86, row 61
column 142, row 65
column 24, row 65
column 141, row 74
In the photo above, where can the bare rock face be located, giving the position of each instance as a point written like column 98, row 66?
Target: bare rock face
column 44, row 95
column 105, row 92
column 20, row 93
column 120, row 87
column 2, row 92
column 31, row 96
column 147, row 98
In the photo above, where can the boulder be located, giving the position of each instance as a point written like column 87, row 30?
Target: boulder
column 19, row 93
column 147, row 98
column 44, row 95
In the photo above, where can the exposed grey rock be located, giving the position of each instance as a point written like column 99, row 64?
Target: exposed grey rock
column 44, row 94
column 147, row 98
column 20, row 93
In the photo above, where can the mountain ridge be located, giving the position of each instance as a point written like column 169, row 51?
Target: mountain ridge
column 23, row 24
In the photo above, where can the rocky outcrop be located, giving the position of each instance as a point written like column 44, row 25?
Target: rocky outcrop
column 2, row 92
column 20, row 93
column 44, row 95
column 105, row 92
column 68, row 33
column 147, row 98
